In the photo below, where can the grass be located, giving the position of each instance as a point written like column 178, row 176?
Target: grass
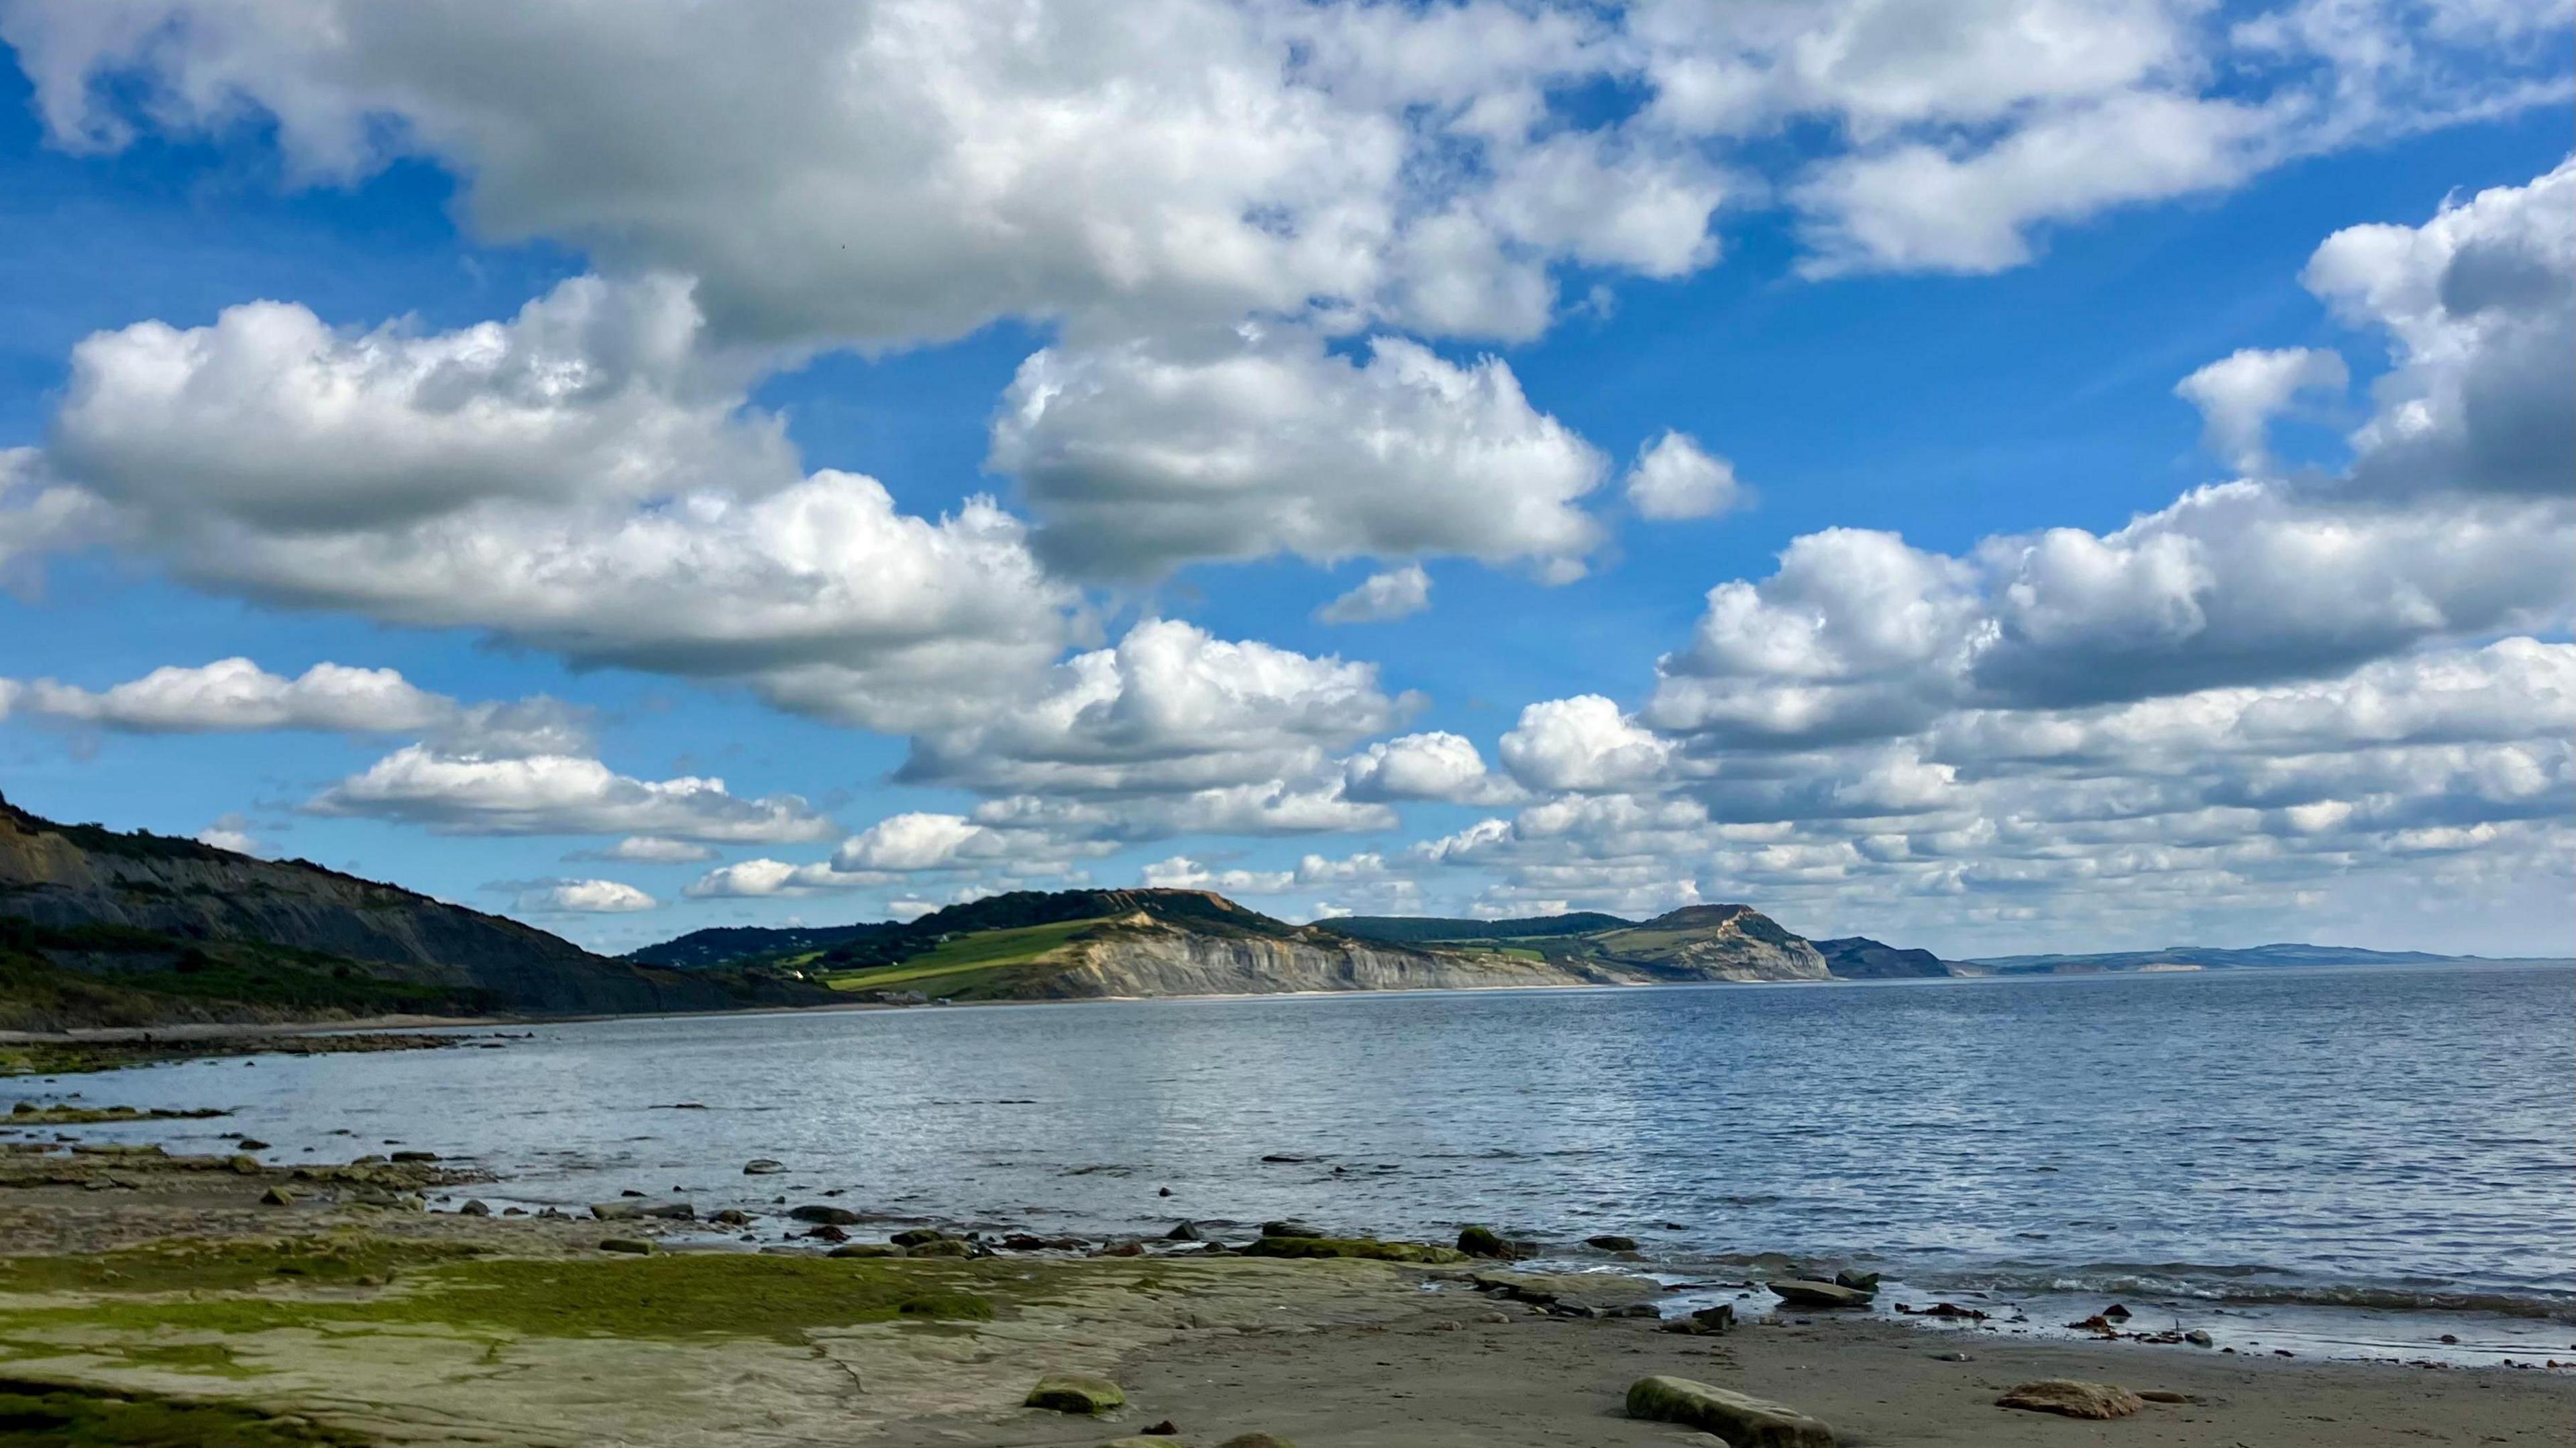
column 63, row 1416
column 966, row 961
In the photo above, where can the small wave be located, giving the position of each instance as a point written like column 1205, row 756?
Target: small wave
column 2242, row 1284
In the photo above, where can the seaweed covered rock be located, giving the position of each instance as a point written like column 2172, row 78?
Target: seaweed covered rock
column 1072, row 1393
column 1482, row 1242
column 631, row 1246
column 1365, row 1247
column 2071, row 1398
column 1742, row 1420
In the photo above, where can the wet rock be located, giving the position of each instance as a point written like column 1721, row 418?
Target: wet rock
column 1163, row 1429
column 415, row 1156
column 2198, row 1338
column 629, row 1211
column 827, row 1233
column 1071, row 1393
column 242, row 1165
column 251, row 1143
column 1367, row 1247
column 829, row 1216
column 1612, row 1242
column 732, row 1217
column 1743, row 1421
column 763, row 1166
column 1943, row 1309
column 1183, row 1232
column 1121, row 1249
column 277, row 1197
column 1289, row 1228
column 1807, row 1292
column 943, row 1247
column 1706, row 1322
column 1857, row 1281
column 2165, row 1395
column 1482, row 1242
column 632, row 1246
column 475, row 1207
column 2071, row 1398
column 1023, row 1242
column 1952, row 1357
column 514, row 1211
column 916, row 1236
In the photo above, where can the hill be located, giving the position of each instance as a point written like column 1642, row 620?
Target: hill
column 1433, row 930
column 725, row 945
column 1857, row 957
column 1695, row 943
column 103, row 928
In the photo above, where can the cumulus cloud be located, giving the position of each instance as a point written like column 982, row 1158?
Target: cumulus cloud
column 232, row 832
column 236, row 694
column 2240, row 394
column 1434, row 766
column 648, row 850
column 1392, row 594
column 1141, row 456
column 582, row 897
column 1582, row 743
column 553, row 794
column 1673, row 477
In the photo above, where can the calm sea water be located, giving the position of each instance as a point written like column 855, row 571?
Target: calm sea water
column 2371, row 1139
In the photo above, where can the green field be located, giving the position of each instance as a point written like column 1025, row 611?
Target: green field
column 970, row 960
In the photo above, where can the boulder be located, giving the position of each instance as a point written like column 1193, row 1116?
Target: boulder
column 1857, row 1281
column 763, row 1166
column 732, row 1217
column 475, row 1207
column 2073, row 1399
column 1070, row 1393
column 415, row 1156
column 1807, row 1292
column 241, row 1165
column 1743, row 1421
column 251, row 1143
column 2198, row 1338
column 1612, row 1242
column 829, row 1216
column 1182, row 1232
column 828, row 1233
column 1289, row 1228
column 911, row 1236
column 1706, row 1322
column 1482, row 1242
column 615, row 1211
column 632, row 1246
column 942, row 1247
column 277, row 1197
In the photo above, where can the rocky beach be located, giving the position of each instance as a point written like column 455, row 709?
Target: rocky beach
column 242, row 1296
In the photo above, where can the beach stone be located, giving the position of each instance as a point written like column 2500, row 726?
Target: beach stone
column 1706, row 1322
column 1864, row 1282
column 1577, row 1294
column 632, row 1246
column 1364, row 1247
column 943, row 1247
column 1071, row 1393
column 277, row 1197
column 1807, row 1292
column 1289, row 1228
column 732, row 1217
column 251, row 1143
column 1183, row 1232
column 2198, row 1338
column 828, row 1216
column 2072, row 1398
column 415, row 1156
column 1612, row 1242
column 475, row 1207
column 615, row 1211
column 243, row 1165
column 914, row 1236
column 1482, row 1242
column 2164, row 1395
column 827, row 1233
column 763, row 1166
column 1742, row 1420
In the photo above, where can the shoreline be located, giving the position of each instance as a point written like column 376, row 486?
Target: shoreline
column 133, row 1271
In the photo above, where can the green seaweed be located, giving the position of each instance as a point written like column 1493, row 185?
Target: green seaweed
column 1369, row 1248
column 209, row 1266
column 64, row 1416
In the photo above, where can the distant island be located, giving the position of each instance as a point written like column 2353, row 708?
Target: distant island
column 101, row 928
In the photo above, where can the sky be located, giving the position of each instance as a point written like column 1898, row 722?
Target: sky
column 1991, row 475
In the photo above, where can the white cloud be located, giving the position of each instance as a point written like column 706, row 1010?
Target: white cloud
column 559, row 795
column 648, row 850
column 236, row 694
column 1395, row 593
column 584, row 897
column 232, row 833
column 2239, row 395
column 1144, row 455
column 1582, row 743
column 1434, row 766
column 1673, row 477
column 765, row 878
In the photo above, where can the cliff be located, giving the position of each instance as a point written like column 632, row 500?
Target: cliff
column 1140, row 955
column 1711, row 943
column 175, row 917
column 1857, row 957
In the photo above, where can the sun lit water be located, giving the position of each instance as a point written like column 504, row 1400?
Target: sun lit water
column 2394, row 1146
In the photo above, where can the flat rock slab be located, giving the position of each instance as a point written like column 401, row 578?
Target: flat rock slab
column 1069, row 1393
column 1805, row 1292
column 1743, row 1421
column 2072, row 1399
column 1602, row 1292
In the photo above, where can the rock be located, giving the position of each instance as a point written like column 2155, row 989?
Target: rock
column 632, row 1246
column 732, row 1217
column 1163, row 1429
column 913, row 1236
column 827, row 1233
column 1612, row 1242
column 1807, row 1292
column 415, row 1156
column 2116, row 1313
column 2073, row 1399
column 615, row 1211
column 514, row 1211
column 1121, row 1249
column 1857, row 1281
column 869, row 1249
column 251, row 1143
column 1069, row 1393
column 829, row 1216
column 2164, row 1395
column 1575, row 1294
column 943, row 1247
column 1368, row 1247
column 1743, row 1421
column 1138, row 1440
column 277, row 1197
column 242, row 1165
column 2198, row 1338
column 1183, row 1232
column 1483, row 1242
column 1255, row 1440
column 1290, row 1228
column 474, row 1207
column 763, row 1166
column 1952, row 1357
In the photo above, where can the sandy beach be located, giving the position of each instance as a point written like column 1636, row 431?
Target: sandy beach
column 355, row 1303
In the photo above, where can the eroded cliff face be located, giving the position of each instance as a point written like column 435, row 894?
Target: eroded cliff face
column 1713, row 942
column 1156, row 960
column 66, row 877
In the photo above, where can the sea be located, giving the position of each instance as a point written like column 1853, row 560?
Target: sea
column 2362, row 1162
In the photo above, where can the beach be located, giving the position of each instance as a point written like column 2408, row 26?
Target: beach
column 363, row 1302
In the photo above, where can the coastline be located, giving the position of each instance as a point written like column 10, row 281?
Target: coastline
column 371, row 1305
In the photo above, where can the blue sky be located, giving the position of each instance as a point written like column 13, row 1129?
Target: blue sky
column 2306, row 679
